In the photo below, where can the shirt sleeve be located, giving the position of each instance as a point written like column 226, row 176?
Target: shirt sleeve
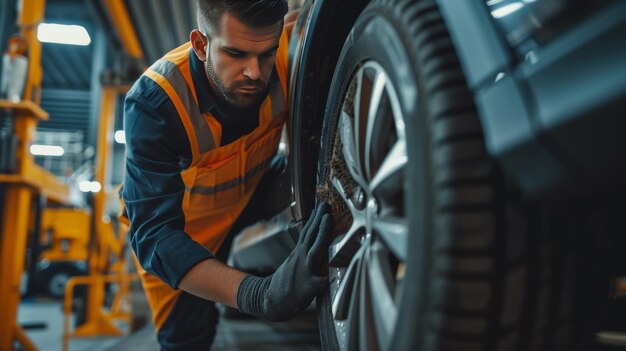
column 157, row 150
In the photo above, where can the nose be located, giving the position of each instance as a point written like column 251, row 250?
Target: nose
column 252, row 69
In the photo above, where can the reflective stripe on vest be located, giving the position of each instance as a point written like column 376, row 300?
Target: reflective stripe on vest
column 190, row 109
column 212, row 190
column 277, row 102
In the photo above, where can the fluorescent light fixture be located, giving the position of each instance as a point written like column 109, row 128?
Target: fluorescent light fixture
column 120, row 137
column 506, row 10
column 95, row 187
column 84, row 186
column 63, row 34
column 46, row 150
column 89, row 187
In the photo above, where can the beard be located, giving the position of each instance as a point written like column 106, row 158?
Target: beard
column 232, row 95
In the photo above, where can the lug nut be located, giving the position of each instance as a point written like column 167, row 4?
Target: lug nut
column 358, row 198
column 372, row 206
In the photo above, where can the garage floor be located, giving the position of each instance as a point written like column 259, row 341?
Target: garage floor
column 300, row 334
column 233, row 334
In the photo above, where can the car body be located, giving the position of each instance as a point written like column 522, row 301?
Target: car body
column 513, row 133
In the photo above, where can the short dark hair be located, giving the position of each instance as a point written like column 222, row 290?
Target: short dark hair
column 253, row 13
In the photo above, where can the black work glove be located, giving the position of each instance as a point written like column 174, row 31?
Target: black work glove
column 282, row 295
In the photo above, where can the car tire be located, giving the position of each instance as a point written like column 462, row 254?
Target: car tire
column 57, row 277
column 56, row 283
column 433, row 248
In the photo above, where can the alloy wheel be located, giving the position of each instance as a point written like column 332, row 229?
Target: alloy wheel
column 367, row 260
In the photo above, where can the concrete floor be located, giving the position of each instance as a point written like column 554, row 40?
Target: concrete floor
column 233, row 334
column 242, row 335
column 49, row 312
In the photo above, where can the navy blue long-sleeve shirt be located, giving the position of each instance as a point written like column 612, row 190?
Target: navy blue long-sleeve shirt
column 157, row 150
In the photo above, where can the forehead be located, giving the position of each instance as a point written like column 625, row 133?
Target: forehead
column 234, row 33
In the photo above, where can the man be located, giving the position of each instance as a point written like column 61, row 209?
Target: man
column 202, row 125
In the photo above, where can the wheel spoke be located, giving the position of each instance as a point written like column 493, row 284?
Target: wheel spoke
column 373, row 114
column 347, row 244
column 356, row 99
column 362, row 100
column 382, row 288
column 395, row 161
column 341, row 251
column 359, row 109
column 394, row 233
column 350, row 153
column 396, row 111
column 342, row 299
column 341, row 190
column 367, row 314
column 354, row 318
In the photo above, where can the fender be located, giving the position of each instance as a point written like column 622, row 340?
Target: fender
column 553, row 131
column 320, row 41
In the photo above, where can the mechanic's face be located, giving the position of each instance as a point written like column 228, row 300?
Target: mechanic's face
column 238, row 59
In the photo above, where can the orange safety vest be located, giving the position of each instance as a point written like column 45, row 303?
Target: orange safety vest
column 221, row 178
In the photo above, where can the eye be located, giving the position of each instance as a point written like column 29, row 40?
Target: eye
column 268, row 54
column 234, row 54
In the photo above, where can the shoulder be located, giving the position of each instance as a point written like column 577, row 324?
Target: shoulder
column 147, row 92
column 148, row 110
column 147, row 102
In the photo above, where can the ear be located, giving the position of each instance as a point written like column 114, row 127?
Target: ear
column 199, row 44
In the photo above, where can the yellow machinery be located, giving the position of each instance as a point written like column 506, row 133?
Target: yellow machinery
column 20, row 186
column 27, row 181
column 107, row 255
column 60, row 249
column 64, row 232
column 106, row 261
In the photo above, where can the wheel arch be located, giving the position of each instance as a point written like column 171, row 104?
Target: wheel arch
column 319, row 44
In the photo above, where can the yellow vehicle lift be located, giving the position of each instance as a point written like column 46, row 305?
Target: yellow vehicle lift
column 27, row 180
column 58, row 249
column 65, row 230
column 106, row 260
column 107, row 255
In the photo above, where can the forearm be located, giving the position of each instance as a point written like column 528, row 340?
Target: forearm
column 213, row 280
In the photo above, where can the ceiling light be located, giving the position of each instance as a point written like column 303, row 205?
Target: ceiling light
column 63, row 34
column 95, row 187
column 120, row 137
column 506, row 10
column 84, row 186
column 89, row 187
column 46, row 150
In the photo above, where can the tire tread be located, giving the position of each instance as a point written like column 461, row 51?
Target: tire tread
column 488, row 277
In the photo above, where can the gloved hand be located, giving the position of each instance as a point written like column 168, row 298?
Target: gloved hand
column 282, row 295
